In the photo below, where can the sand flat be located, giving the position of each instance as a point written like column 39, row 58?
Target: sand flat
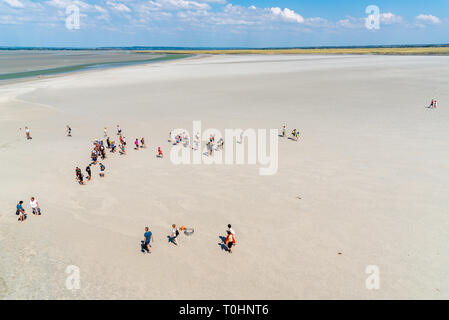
column 371, row 171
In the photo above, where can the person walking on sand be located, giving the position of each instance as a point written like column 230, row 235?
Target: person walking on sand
column 35, row 206
column 147, row 238
column 79, row 175
column 142, row 143
column 105, row 130
column 232, row 232
column 174, row 234
column 20, row 211
column 119, row 130
column 283, row 132
column 159, row 153
column 69, row 131
column 102, row 168
column 435, row 104
column 137, row 144
column 89, row 172
column 230, row 241
column 27, row 133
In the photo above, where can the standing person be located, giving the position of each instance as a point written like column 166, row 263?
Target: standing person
column 105, row 130
column 147, row 238
column 137, row 144
column 230, row 241
column 89, row 172
column 230, row 229
column 79, row 175
column 35, row 206
column 435, row 104
column 27, row 132
column 20, row 211
column 142, row 143
column 297, row 135
column 431, row 104
column 174, row 234
column 69, row 131
column 102, row 168
column 119, row 130
column 283, row 131
column 159, row 152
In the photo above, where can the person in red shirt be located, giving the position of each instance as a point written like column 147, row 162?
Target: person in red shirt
column 230, row 241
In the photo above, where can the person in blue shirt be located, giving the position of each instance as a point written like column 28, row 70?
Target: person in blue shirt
column 147, row 238
column 20, row 211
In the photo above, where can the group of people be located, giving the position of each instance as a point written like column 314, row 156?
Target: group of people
column 294, row 134
column 99, row 151
column 35, row 209
column 433, row 104
column 148, row 238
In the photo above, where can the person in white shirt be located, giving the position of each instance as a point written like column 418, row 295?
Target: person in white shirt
column 174, row 234
column 231, row 230
column 35, row 206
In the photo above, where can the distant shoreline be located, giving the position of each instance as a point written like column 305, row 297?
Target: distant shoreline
column 437, row 50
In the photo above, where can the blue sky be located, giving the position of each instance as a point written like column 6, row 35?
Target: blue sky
column 222, row 23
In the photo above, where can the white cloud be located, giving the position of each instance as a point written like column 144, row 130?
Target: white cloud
column 14, row 3
column 390, row 18
column 118, row 6
column 351, row 22
column 287, row 14
column 428, row 18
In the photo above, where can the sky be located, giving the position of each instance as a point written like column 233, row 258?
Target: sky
column 221, row 23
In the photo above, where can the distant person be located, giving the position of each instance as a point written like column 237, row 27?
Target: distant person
column 174, row 234
column 147, row 238
column 142, row 143
column 159, row 153
column 69, row 131
column 136, row 143
column 283, row 132
column 27, row 133
column 119, row 130
column 35, row 207
column 89, row 172
column 431, row 104
column 20, row 211
column 435, row 104
column 230, row 241
column 102, row 168
column 232, row 232
column 105, row 130
column 79, row 175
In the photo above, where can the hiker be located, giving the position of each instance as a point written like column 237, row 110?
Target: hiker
column 147, row 238
column 20, row 211
column 102, row 168
column 230, row 241
column 174, row 234
column 35, row 207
